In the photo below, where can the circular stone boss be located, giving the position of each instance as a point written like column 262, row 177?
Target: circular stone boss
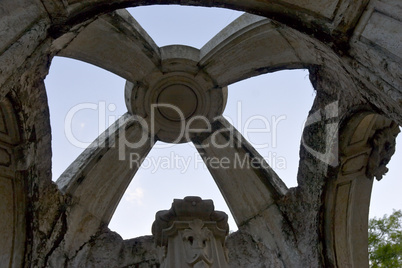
column 174, row 102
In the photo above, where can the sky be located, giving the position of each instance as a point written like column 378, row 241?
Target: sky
column 84, row 100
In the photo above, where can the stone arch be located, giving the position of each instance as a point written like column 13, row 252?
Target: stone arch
column 326, row 29
column 12, row 190
column 330, row 17
column 266, row 46
column 366, row 144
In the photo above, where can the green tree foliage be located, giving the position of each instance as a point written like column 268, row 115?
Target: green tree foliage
column 385, row 241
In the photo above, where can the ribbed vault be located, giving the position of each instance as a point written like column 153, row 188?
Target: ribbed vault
column 310, row 225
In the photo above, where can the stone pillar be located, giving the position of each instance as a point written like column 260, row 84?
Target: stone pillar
column 191, row 234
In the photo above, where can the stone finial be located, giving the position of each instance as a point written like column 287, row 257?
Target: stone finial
column 191, row 234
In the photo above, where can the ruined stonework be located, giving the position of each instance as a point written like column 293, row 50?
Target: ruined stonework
column 352, row 50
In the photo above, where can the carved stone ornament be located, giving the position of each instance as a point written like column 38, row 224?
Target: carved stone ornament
column 191, row 234
column 383, row 144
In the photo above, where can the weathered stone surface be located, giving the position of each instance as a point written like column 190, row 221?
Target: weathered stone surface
column 110, row 250
column 247, row 251
column 352, row 50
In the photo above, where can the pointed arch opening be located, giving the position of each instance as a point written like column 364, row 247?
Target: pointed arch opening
column 270, row 111
column 170, row 171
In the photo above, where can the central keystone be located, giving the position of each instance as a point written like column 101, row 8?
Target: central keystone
column 181, row 102
column 176, row 97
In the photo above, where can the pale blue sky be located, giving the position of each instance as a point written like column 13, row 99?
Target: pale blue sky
column 71, row 83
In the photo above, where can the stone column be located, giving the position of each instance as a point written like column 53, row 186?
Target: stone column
column 191, row 234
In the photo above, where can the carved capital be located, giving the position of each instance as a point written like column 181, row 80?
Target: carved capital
column 383, row 147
